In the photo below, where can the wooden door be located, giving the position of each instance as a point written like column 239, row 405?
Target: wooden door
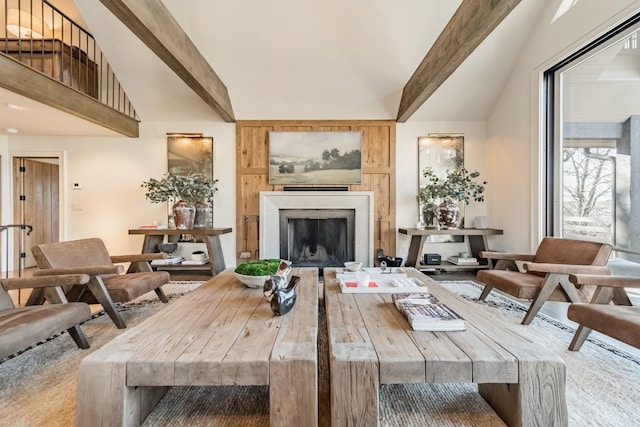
column 36, row 203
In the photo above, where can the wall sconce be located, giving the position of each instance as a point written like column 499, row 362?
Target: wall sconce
column 25, row 25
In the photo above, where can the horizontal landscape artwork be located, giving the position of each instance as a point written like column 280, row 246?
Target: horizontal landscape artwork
column 315, row 158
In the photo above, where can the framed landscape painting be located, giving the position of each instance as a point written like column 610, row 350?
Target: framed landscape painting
column 315, row 157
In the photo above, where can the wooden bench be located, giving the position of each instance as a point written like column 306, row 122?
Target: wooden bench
column 223, row 333
column 371, row 343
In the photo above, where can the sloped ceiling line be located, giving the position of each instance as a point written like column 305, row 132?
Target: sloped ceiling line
column 468, row 27
column 154, row 25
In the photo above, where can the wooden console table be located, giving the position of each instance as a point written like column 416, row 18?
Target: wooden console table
column 211, row 236
column 476, row 239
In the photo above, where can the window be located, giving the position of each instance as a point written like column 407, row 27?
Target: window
column 593, row 143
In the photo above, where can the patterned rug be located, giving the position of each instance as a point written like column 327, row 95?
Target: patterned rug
column 471, row 290
column 37, row 387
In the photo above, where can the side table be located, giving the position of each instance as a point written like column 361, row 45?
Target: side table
column 476, row 239
column 211, row 236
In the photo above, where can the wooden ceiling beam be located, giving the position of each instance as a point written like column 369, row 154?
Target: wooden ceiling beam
column 468, row 27
column 24, row 80
column 154, row 25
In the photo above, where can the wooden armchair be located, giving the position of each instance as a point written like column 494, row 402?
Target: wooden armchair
column 621, row 322
column 106, row 285
column 546, row 276
column 24, row 326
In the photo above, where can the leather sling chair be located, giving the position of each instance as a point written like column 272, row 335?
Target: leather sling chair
column 546, row 273
column 107, row 284
column 21, row 327
column 621, row 322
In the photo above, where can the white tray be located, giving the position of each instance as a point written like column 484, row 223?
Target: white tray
column 374, row 273
column 384, row 286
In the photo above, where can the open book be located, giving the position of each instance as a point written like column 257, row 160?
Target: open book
column 425, row 312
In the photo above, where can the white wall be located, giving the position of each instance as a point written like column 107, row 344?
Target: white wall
column 513, row 150
column 111, row 171
column 505, row 150
column 407, row 174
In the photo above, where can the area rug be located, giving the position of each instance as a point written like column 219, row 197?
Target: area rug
column 603, row 381
column 37, row 387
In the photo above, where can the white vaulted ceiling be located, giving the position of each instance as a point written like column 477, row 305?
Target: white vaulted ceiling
column 291, row 59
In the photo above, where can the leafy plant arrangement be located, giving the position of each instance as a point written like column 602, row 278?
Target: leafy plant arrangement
column 193, row 188
column 459, row 185
column 262, row 267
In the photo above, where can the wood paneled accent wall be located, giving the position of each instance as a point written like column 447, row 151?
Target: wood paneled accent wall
column 378, row 174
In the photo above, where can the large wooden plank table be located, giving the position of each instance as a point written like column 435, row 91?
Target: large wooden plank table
column 371, row 343
column 222, row 333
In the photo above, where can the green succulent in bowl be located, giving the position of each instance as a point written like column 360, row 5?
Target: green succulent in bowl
column 262, row 267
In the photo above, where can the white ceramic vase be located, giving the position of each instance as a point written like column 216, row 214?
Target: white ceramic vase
column 480, row 222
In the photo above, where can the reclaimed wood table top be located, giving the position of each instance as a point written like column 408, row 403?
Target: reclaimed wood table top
column 173, row 231
column 449, row 231
column 222, row 333
column 371, row 343
column 408, row 356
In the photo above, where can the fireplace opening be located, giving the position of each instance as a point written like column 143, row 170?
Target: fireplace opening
column 317, row 237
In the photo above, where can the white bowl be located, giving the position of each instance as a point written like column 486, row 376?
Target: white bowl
column 353, row 265
column 252, row 281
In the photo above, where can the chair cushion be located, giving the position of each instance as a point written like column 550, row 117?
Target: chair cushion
column 22, row 327
column 126, row 287
column 621, row 322
column 520, row 285
column 556, row 250
column 74, row 253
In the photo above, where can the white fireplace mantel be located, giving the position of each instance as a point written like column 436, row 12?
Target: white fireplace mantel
column 271, row 202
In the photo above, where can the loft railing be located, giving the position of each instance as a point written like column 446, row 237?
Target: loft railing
column 39, row 35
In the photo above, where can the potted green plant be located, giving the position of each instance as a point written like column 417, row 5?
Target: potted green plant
column 185, row 191
column 254, row 273
column 460, row 185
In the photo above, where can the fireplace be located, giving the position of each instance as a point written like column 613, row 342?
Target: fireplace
column 317, row 237
column 317, row 228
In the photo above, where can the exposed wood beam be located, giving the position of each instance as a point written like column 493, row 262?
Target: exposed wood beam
column 468, row 27
column 20, row 78
column 152, row 22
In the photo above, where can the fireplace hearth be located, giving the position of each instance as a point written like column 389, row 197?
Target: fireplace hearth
column 317, row 228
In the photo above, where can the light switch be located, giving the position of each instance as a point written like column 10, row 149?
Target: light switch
column 76, row 207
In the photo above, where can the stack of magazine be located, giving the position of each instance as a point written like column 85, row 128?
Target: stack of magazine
column 167, row 261
column 426, row 313
column 463, row 261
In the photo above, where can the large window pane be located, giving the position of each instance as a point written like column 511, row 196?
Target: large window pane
column 596, row 144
